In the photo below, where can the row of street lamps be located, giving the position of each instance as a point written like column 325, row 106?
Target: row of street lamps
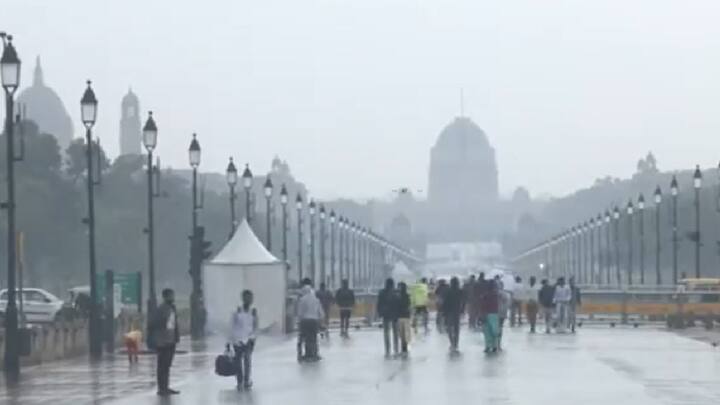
column 590, row 250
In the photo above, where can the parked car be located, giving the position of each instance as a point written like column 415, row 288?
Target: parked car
column 38, row 305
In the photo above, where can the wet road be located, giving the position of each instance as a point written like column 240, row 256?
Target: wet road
column 597, row 366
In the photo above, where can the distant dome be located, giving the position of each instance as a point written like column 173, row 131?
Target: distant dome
column 46, row 108
column 461, row 134
column 130, row 99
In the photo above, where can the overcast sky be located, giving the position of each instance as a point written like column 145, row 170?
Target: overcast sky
column 354, row 92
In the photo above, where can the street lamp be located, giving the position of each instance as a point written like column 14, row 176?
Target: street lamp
column 609, row 262
column 616, row 222
column 323, row 273
column 641, row 213
column 231, row 176
column 299, row 207
column 658, row 201
column 353, row 254
column 88, row 114
column 311, row 211
column 697, row 183
column 674, row 194
column 10, row 78
column 196, row 301
column 247, row 184
column 630, row 210
column 268, row 188
column 601, row 262
column 150, row 142
column 284, row 203
column 591, row 235
column 341, row 255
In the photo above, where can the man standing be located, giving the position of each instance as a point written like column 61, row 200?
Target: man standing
column 562, row 298
column 387, row 309
column 419, row 299
column 345, row 299
column 531, row 303
column 310, row 313
column 326, row 300
column 166, row 336
column 452, row 309
column 518, row 298
column 546, row 296
column 575, row 303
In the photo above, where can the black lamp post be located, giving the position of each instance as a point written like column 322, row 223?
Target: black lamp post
column 697, row 183
column 641, row 213
column 616, row 217
column 630, row 210
column 231, row 175
column 150, row 142
column 311, row 218
column 333, row 278
column 284, row 203
column 591, row 235
column 247, row 185
column 88, row 112
column 299, row 207
column 268, row 187
column 323, row 273
column 674, row 194
column 10, row 77
column 600, row 256
column 196, row 301
column 658, row 201
column 609, row 261
column 353, row 254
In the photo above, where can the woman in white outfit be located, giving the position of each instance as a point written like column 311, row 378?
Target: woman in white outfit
column 243, row 325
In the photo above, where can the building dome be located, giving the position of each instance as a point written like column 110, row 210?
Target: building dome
column 130, row 99
column 46, row 108
column 462, row 134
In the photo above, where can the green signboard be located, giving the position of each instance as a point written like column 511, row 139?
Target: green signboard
column 126, row 286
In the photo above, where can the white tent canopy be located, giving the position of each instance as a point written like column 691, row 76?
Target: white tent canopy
column 244, row 264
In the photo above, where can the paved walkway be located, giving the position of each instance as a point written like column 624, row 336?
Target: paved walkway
column 597, row 366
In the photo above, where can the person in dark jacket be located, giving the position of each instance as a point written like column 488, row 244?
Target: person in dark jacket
column 404, row 324
column 326, row 300
column 491, row 307
column 166, row 335
column 575, row 303
column 545, row 298
column 387, row 305
column 440, row 291
column 452, row 308
column 345, row 300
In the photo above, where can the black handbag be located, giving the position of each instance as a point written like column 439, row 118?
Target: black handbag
column 225, row 364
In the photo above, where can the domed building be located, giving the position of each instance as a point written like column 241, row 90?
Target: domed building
column 463, row 194
column 130, row 132
column 45, row 107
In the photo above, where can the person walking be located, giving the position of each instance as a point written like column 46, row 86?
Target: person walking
column 504, row 303
column 481, row 286
column 440, row 291
column 562, row 298
column 345, row 300
column 546, row 297
column 404, row 312
column 518, row 291
column 471, row 302
column 166, row 336
column 243, row 326
column 575, row 303
column 387, row 306
column 531, row 303
column 419, row 299
column 490, row 308
column 326, row 300
column 452, row 308
column 310, row 314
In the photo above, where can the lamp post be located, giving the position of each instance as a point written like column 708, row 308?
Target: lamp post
column 333, row 278
column 88, row 112
column 616, row 217
column 609, row 261
column 697, row 183
column 353, row 254
column 674, row 194
column 641, row 213
column 299, row 208
column 196, row 301
column 231, row 176
column 658, row 201
column 268, row 225
column 311, row 211
column 582, row 253
column 591, row 232
column 283, row 203
column 341, row 247
column 247, row 185
column 150, row 142
column 630, row 210
column 10, row 78
column 323, row 269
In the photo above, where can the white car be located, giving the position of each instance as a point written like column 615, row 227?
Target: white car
column 38, row 305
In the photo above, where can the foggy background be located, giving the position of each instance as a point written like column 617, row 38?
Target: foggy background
column 353, row 93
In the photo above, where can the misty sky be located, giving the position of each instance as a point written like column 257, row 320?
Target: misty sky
column 354, row 92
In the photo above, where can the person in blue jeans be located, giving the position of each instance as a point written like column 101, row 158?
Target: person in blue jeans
column 490, row 307
column 243, row 326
